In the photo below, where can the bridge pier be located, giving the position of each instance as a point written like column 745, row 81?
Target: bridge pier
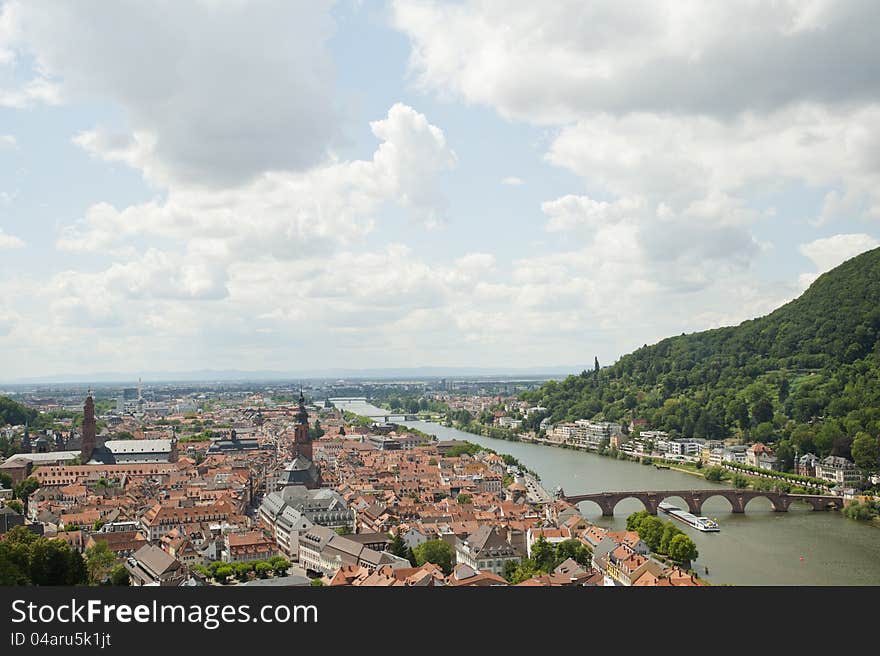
column 695, row 504
column 651, row 503
column 606, row 503
column 737, row 503
column 780, row 503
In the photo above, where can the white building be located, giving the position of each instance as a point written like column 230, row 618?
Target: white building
column 840, row 471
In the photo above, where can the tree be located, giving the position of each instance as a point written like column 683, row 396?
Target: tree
column 714, row 474
column 317, row 583
column 574, row 549
column 596, row 364
column 411, row 556
column 15, row 504
column 635, row 519
column 100, row 561
column 316, row 432
column 518, row 572
column 243, row 571
column 24, row 489
column 464, row 499
column 397, row 546
column 544, row 555
column 651, row 531
column 119, row 576
column 279, row 565
column 437, row 552
column 682, row 549
column 29, row 559
column 262, row 569
column 223, row 572
column 670, row 530
column 865, row 451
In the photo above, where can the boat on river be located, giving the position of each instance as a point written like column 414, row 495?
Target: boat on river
column 700, row 523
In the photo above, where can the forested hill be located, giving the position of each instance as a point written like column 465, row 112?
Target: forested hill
column 806, row 374
column 12, row 412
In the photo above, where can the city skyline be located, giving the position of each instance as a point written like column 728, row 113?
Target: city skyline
column 418, row 184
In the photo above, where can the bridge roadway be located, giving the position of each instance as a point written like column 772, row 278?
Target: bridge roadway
column 695, row 499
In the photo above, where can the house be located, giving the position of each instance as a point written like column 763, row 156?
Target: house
column 121, row 543
column 465, row 575
column 322, row 550
column 486, row 549
column 735, row 454
column 840, row 471
column 672, row 577
column 428, row 575
column 247, row 547
column 149, row 565
column 624, row 566
column 760, row 456
column 806, row 465
column 9, row 519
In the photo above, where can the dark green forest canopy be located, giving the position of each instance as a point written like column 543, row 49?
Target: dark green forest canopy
column 808, row 373
column 12, row 412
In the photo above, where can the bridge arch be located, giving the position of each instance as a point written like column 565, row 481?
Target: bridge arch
column 683, row 500
column 601, row 506
column 732, row 500
column 778, row 502
column 650, row 501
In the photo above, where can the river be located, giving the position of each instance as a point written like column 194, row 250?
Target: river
column 759, row 547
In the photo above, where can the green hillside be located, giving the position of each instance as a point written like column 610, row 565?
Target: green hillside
column 806, row 376
column 12, row 412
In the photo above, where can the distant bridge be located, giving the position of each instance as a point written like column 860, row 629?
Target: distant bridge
column 695, row 499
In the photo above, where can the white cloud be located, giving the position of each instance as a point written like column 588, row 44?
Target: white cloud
column 678, row 159
column 512, row 181
column 8, row 242
column 286, row 214
column 828, row 252
column 213, row 93
column 553, row 62
column 230, row 264
column 7, row 141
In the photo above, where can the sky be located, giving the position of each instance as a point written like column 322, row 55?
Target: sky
column 287, row 185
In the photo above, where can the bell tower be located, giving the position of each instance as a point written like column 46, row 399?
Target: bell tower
column 302, row 440
column 88, row 430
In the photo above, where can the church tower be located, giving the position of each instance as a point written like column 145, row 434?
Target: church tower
column 26, row 446
column 302, row 470
column 88, row 430
column 302, row 440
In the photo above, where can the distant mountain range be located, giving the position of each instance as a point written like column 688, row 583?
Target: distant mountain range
column 218, row 375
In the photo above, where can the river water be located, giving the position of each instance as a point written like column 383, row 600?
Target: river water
column 759, row 547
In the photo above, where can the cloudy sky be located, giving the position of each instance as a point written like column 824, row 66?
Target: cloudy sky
column 283, row 185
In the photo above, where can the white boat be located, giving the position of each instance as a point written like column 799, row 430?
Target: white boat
column 700, row 523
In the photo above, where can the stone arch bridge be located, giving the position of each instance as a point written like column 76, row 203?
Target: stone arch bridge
column 695, row 499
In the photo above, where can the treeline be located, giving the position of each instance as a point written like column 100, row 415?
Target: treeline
column 546, row 557
column 30, row 559
column 663, row 538
column 15, row 414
